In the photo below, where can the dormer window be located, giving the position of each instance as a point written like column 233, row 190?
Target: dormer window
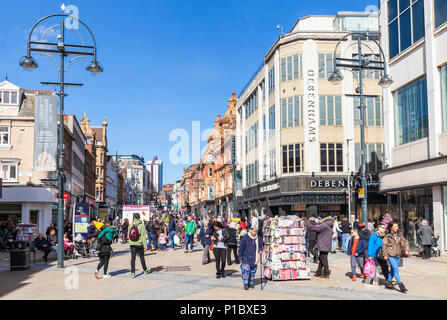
column 8, row 97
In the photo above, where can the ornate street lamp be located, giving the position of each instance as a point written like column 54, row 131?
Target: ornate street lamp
column 29, row 64
column 360, row 64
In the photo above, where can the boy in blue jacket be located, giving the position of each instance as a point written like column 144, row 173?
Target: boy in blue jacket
column 356, row 250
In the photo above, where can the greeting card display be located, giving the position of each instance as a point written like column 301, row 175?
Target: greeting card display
column 285, row 249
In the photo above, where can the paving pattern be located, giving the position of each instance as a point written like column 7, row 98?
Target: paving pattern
column 424, row 280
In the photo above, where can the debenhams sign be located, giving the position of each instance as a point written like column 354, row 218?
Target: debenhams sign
column 269, row 187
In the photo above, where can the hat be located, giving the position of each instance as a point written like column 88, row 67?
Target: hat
column 362, row 225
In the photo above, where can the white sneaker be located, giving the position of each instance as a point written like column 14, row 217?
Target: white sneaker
column 106, row 276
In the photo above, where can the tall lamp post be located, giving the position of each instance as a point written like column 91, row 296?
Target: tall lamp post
column 29, row 64
column 360, row 64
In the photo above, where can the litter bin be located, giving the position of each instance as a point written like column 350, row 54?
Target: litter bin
column 20, row 256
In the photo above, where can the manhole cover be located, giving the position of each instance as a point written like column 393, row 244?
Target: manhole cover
column 179, row 268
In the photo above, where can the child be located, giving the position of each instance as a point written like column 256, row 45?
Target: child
column 68, row 246
column 162, row 240
column 356, row 250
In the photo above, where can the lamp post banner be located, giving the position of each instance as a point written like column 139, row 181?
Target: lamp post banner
column 45, row 133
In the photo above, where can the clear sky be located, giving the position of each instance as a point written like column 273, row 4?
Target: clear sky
column 167, row 63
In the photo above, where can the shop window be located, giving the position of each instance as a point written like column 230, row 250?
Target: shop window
column 331, row 157
column 405, row 24
column 411, row 112
column 34, row 217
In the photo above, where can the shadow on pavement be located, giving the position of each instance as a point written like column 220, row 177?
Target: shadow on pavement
column 156, row 269
column 14, row 280
column 118, row 272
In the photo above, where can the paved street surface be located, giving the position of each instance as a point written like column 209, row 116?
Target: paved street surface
column 424, row 280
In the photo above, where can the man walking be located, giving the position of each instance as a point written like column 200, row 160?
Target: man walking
column 171, row 229
column 137, row 240
column 117, row 226
column 345, row 227
column 152, row 236
column 189, row 234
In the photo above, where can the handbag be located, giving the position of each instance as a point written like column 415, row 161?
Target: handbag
column 403, row 249
column 212, row 245
column 369, row 268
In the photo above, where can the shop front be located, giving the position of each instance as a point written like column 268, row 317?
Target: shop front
column 305, row 196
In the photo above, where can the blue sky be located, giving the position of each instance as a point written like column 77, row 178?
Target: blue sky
column 167, row 63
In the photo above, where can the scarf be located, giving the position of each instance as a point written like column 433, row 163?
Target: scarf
column 255, row 239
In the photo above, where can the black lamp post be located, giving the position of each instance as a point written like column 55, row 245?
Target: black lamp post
column 29, row 64
column 360, row 64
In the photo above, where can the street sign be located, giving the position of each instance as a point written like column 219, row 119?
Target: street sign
column 361, row 193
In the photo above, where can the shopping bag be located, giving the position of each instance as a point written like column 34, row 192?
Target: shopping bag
column 212, row 245
column 370, row 267
column 176, row 240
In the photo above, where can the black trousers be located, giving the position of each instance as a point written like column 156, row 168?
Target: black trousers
column 323, row 265
column 384, row 266
column 220, row 254
column 312, row 249
column 103, row 261
column 134, row 250
column 427, row 251
column 229, row 250
column 45, row 250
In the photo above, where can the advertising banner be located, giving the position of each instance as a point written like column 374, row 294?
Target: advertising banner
column 45, row 133
column 81, row 219
column 144, row 211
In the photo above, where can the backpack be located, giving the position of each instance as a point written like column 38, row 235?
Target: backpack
column 134, row 234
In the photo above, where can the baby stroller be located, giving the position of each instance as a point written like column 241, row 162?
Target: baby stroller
column 81, row 247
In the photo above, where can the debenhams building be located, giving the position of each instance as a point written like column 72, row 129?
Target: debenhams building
column 298, row 134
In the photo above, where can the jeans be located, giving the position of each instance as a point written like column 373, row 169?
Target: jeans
column 189, row 239
column 427, row 251
column 345, row 237
column 340, row 240
column 220, row 254
column 394, row 272
column 356, row 261
column 334, row 244
column 171, row 238
column 163, row 246
column 134, row 250
column 152, row 237
column 206, row 254
column 323, row 265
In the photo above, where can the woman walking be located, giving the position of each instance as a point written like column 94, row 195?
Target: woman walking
column 250, row 250
column 125, row 230
column 393, row 247
column 232, row 243
column 105, row 239
column 220, row 237
column 425, row 233
column 323, row 244
column 375, row 253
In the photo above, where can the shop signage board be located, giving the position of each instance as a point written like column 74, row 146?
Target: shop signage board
column 81, row 219
column 143, row 210
column 45, row 133
column 270, row 187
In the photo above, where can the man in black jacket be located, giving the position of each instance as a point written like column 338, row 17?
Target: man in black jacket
column 232, row 243
column 43, row 245
column 151, row 234
column 171, row 230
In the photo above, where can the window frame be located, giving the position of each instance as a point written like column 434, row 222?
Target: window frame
column 8, row 133
column 9, row 163
column 331, row 152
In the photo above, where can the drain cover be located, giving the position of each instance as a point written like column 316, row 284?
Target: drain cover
column 178, row 268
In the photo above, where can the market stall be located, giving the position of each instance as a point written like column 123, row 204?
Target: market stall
column 284, row 254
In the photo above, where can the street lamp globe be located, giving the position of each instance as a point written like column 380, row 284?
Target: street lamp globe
column 28, row 63
column 335, row 77
column 385, row 81
column 95, row 68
